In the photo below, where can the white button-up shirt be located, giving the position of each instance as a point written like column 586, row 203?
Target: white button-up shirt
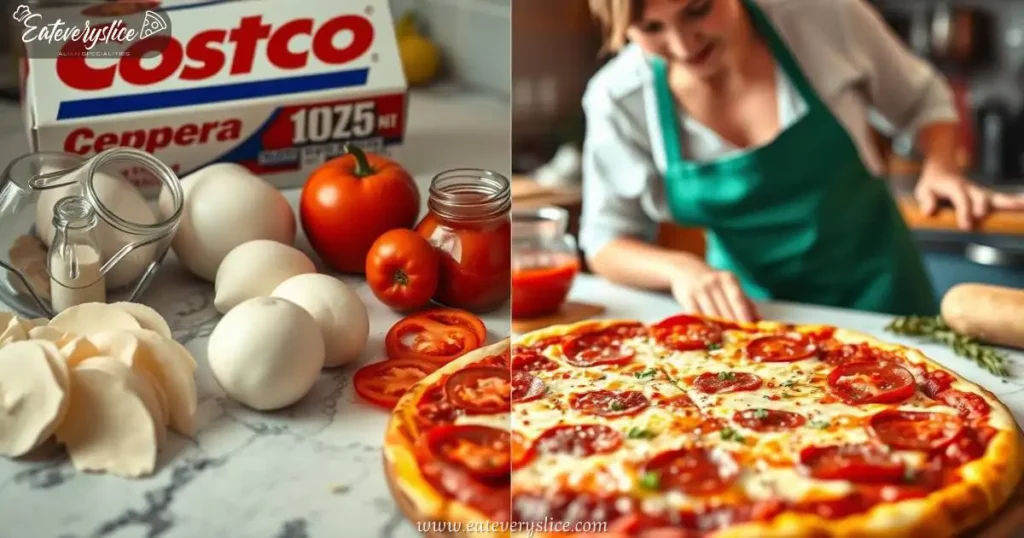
column 858, row 66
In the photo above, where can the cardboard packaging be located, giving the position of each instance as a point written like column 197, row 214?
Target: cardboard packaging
column 273, row 86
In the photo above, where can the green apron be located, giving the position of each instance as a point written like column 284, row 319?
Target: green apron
column 801, row 218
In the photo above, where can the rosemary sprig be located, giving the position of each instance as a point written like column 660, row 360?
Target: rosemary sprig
column 936, row 329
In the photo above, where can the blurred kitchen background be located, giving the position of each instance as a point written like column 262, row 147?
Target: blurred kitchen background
column 977, row 44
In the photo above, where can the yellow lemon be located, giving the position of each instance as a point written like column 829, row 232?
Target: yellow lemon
column 420, row 59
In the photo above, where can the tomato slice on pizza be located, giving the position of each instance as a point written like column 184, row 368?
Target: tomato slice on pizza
column 853, row 462
column 483, row 451
column 914, row 430
column 480, row 390
column 687, row 333
column 871, row 382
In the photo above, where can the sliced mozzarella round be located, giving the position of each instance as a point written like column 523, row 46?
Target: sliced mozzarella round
column 148, row 318
column 145, row 382
column 78, row 350
column 109, row 426
column 91, row 318
column 33, row 400
column 57, row 336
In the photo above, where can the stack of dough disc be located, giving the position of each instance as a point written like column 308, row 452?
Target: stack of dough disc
column 107, row 381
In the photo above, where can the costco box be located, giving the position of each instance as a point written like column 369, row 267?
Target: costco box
column 277, row 86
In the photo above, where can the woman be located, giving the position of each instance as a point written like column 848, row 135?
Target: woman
column 751, row 119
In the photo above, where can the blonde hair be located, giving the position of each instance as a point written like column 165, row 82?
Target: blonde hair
column 615, row 17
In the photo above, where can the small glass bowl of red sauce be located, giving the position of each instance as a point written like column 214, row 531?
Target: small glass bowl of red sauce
column 468, row 224
column 544, row 261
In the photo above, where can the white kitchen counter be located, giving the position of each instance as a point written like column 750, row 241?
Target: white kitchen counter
column 312, row 470
column 626, row 303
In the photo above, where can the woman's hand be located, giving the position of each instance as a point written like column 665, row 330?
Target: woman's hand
column 713, row 293
column 970, row 202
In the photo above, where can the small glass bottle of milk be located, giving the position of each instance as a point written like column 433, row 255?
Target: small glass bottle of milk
column 74, row 262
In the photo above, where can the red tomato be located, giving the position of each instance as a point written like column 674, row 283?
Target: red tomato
column 858, row 463
column 384, row 383
column 456, row 317
column 480, row 389
column 351, row 200
column 401, row 269
column 871, row 382
column 483, row 451
column 418, row 337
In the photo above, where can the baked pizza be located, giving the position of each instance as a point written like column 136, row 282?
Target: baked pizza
column 696, row 427
column 699, row 427
column 448, row 446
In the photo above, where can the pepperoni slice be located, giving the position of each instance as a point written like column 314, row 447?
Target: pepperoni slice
column 968, row 446
column 609, row 403
column 967, row 404
column 526, row 359
column 679, row 401
column 435, row 408
column 780, row 348
column 589, row 350
column 768, row 420
column 912, row 430
column 578, row 441
column 520, row 451
column 857, row 463
column 686, row 333
column 935, row 382
column 722, row 382
column 483, row 451
column 526, row 387
column 480, row 389
column 871, row 382
column 690, row 470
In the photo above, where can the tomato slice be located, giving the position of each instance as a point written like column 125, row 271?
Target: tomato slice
column 856, row 462
column 578, row 440
column 480, row 389
column 768, row 420
column 779, row 348
column 721, row 382
column 526, row 387
column 871, row 382
column 687, row 333
column 384, row 383
column 484, row 451
column 454, row 317
column 967, row 404
column 968, row 446
column 690, row 470
column 912, row 430
column 609, row 403
column 416, row 337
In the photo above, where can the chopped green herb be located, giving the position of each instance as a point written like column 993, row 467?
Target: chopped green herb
column 650, row 480
column 788, row 383
column 909, row 475
column 760, row 414
column 730, row 434
column 640, row 433
column 714, row 345
column 646, row 374
column 616, row 405
column 820, row 424
column 726, row 376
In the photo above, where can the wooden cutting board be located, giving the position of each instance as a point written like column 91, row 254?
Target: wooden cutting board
column 570, row 312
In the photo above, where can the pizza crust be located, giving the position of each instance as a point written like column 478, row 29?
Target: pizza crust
column 988, row 482
column 400, row 458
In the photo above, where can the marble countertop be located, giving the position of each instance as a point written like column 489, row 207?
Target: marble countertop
column 312, row 470
column 626, row 303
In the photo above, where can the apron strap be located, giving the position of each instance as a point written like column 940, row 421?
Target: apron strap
column 782, row 54
column 666, row 104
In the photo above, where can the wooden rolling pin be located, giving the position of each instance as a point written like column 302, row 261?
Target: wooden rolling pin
column 990, row 314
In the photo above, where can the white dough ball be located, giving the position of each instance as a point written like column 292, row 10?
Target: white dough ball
column 266, row 353
column 254, row 269
column 342, row 316
column 122, row 198
column 225, row 206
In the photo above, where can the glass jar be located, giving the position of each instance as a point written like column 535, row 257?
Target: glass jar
column 544, row 261
column 468, row 224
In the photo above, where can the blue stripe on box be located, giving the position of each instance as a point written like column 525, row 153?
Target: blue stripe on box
column 105, row 106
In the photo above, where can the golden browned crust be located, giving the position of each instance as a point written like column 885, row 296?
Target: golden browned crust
column 987, row 484
column 402, row 469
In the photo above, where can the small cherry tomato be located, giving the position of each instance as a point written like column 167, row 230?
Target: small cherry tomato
column 402, row 269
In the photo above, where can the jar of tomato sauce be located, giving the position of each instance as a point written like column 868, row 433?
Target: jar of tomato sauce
column 468, row 223
column 544, row 261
